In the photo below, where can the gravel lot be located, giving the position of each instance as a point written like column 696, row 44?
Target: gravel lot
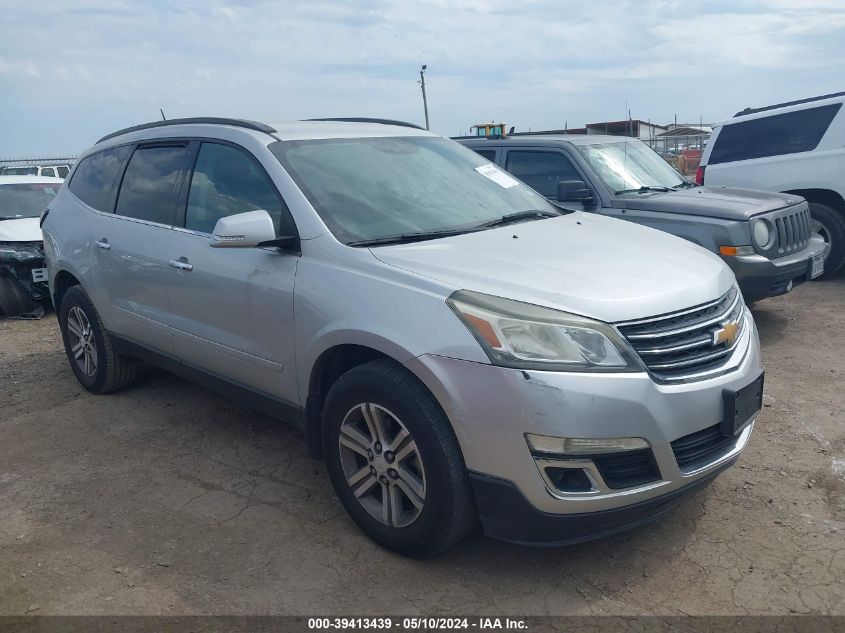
column 169, row 499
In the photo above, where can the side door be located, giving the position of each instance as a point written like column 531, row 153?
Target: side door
column 232, row 308
column 543, row 169
column 132, row 245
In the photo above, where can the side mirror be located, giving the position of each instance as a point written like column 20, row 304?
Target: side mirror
column 247, row 230
column 574, row 191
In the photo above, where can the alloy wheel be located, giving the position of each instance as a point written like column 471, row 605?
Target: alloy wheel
column 83, row 346
column 382, row 465
column 821, row 230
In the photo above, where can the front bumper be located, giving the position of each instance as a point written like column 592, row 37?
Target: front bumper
column 508, row 516
column 20, row 294
column 492, row 408
column 760, row 277
column 23, row 279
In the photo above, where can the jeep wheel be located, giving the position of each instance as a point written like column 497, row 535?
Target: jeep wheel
column 830, row 226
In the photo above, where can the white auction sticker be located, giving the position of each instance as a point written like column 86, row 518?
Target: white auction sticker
column 501, row 178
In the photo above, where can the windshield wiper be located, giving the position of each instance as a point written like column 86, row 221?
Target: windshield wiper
column 685, row 185
column 407, row 238
column 644, row 189
column 519, row 216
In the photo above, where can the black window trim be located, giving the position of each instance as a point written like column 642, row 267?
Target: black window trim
column 184, row 191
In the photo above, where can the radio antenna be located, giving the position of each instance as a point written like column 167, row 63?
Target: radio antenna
column 163, row 118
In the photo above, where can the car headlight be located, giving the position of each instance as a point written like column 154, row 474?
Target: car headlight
column 526, row 336
column 761, row 233
column 19, row 252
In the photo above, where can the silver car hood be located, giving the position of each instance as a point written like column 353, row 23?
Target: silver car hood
column 582, row 263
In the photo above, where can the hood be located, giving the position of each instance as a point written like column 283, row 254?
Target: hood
column 20, row 230
column 717, row 202
column 582, row 263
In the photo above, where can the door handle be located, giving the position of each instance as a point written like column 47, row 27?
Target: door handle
column 104, row 244
column 181, row 264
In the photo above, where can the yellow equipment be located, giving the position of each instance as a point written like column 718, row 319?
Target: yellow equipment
column 489, row 129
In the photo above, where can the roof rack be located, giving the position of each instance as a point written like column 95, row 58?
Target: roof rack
column 343, row 119
column 787, row 103
column 250, row 125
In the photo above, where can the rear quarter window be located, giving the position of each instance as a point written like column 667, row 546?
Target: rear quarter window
column 95, row 176
column 774, row 135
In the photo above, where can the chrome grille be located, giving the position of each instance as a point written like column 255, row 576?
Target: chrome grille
column 684, row 345
column 793, row 230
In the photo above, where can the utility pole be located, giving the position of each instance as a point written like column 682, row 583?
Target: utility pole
column 425, row 102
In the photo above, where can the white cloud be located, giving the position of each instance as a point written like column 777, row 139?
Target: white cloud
column 539, row 62
column 19, row 67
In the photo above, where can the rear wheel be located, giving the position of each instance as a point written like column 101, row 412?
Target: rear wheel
column 394, row 461
column 830, row 226
column 89, row 346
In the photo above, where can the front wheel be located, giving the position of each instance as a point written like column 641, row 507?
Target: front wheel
column 830, row 226
column 394, row 461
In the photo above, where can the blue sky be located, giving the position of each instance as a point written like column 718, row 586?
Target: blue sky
column 73, row 70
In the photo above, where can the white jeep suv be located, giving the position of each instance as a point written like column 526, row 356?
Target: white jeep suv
column 796, row 148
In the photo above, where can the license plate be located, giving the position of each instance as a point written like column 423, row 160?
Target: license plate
column 741, row 406
column 816, row 266
column 39, row 274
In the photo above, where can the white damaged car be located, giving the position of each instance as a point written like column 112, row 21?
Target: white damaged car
column 23, row 276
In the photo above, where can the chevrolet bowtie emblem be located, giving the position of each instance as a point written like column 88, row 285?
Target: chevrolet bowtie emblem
column 726, row 334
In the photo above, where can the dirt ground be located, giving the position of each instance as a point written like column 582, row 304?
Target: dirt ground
column 168, row 499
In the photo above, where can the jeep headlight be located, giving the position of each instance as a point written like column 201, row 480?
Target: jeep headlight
column 19, row 252
column 526, row 336
column 761, row 233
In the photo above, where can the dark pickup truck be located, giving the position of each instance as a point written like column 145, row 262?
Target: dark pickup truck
column 765, row 238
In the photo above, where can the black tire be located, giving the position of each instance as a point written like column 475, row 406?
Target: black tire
column 833, row 230
column 113, row 371
column 448, row 513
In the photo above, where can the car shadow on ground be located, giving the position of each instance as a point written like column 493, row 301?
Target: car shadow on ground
column 257, row 441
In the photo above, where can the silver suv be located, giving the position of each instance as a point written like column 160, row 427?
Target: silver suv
column 456, row 346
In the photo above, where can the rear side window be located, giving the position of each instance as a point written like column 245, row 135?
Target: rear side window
column 774, row 135
column 227, row 181
column 489, row 154
column 149, row 188
column 542, row 171
column 62, row 171
column 95, row 176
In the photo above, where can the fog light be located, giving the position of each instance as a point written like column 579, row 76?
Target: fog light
column 569, row 479
column 583, row 446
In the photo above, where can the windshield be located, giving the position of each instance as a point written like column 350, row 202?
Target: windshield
column 26, row 200
column 20, row 171
column 625, row 166
column 375, row 188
